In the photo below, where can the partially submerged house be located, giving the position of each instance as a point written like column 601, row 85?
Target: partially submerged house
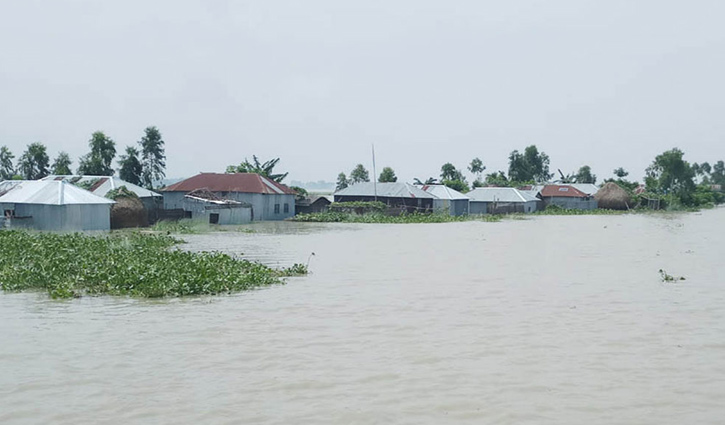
column 269, row 200
column 567, row 196
column 501, row 200
column 204, row 205
column 448, row 201
column 312, row 204
column 404, row 197
column 101, row 185
column 54, row 205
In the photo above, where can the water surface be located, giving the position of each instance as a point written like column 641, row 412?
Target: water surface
column 551, row 320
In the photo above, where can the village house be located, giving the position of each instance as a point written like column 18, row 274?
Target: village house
column 403, row 197
column 448, row 201
column 501, row 200
column 268, row 199
column 567, row 196
column 53, row 205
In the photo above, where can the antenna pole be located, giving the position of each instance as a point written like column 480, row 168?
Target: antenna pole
column 375, row 173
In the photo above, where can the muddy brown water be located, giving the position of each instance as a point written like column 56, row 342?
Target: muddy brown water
column 551, row 320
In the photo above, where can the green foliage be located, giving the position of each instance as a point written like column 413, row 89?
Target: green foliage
column 718, row 173
column 358, row 206
column 120, row 192
column 153, row 158
column 139, row 265
column 668, row 277
column 300, row 192
column 459, row 185
column 131, row 167
column 342, row 182
column 85, row 184
column 265, row 169
column 61, row 165
column 387, row 176
column 359, row 175
column 185, row 226
column 98, row 161
column 497, row 179
column 33, row 164
column 476, row 167
column 342, row 217
column 620, row 172
column 671, row 174
column 429, row 181
column 584, row 175
column 529, row 166
column 7, row 170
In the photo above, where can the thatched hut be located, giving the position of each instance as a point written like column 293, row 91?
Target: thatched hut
column 613, row 197
column 128, row 211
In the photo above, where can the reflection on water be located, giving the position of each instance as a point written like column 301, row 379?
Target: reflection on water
column 549, row 320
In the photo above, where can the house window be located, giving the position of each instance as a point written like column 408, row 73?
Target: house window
column 286, row 208
column 9, row 213
column 213, row 218
column 187, row 214
column 276, row 208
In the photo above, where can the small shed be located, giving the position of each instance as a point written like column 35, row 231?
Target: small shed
column 448, row 201
column 206, row 206
column 312, row 204
column 567, row 197
column 501, row 200
column 401, row 196
column 54, row 205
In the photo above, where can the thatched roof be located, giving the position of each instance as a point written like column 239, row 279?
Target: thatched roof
column 128, row 212
column 613, row 197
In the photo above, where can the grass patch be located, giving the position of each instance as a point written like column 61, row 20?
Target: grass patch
column 131, row 264
column 347, row 217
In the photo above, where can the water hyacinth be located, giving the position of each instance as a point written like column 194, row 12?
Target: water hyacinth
column 140, row 265
column 347, row 217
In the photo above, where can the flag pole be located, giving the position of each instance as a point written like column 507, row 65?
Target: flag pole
column 375, row 173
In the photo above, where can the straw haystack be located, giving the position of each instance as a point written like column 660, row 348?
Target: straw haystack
column 128, row 211
column 612, row 197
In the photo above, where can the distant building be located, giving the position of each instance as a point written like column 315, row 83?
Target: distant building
column 401, row 196
column 53, row 205
column 567, row 196
column 269, row 200
column 501, row 200
column 448, row 201
column 312, row 204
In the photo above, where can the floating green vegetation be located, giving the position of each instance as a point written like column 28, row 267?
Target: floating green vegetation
column 186, row 226
column 345, row 217
column 669, row 278
column 132, row 264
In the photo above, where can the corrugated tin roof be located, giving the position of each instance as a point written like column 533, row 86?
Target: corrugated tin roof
column 588, row 188
column 104, row 184
column 562, row 191
column 385, row 190
column 51, row 193
column 499, row 194
column 236, row 182
column 7, row 185
column 444, row 192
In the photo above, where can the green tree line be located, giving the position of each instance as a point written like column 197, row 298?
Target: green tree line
column 143, row 164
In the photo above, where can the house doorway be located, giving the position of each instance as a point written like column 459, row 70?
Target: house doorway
column 213, row 218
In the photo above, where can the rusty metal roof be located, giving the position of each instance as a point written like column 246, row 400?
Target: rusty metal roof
column 236, row 182
column 562, row 191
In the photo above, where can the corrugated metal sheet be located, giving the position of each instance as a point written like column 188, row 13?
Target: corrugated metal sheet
column 236, row 182
column 7, row 185
column 499, row 194
column 104, row 184
column 444, row 192
column 561, row 191
column 588, row 188
column 385, row 190
column 51, row 193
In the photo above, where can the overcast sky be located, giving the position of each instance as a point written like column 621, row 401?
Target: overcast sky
column 606, row 83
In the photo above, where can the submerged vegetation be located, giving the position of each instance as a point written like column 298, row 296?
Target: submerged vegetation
column 668, row 277
column 132, row 264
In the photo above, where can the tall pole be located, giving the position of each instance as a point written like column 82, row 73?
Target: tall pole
column 375, row 173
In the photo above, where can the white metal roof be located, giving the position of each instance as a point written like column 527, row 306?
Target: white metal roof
column 588, row 188
column 51, row 193
column 444, row 192
column 385, row 190
column 499, row 194
column 105, row 184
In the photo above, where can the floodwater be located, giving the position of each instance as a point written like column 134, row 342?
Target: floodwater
column 551, row 320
